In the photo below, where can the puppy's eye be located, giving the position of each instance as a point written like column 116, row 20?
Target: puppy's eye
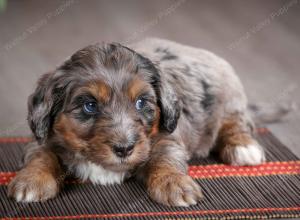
column 140, row 104
column 90, row 107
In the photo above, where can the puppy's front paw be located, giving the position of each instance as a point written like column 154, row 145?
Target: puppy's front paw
column 248, row 155
column 175, row 190
column 33, row 187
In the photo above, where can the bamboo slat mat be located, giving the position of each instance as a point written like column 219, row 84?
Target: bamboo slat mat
column 271, row 190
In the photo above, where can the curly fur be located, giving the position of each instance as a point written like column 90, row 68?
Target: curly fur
column 194, row 103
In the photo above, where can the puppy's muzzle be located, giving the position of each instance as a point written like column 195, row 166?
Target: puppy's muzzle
column 123, row 150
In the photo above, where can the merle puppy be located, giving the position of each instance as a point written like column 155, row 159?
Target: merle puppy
column 110, row 112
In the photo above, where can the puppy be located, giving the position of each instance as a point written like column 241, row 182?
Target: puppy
column 110, row 112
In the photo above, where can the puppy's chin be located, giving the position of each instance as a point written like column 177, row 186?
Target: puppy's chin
column 121, row 165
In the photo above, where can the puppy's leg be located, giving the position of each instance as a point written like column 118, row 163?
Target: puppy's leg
column 39, row 180
column 236, row 144
column 166, row 175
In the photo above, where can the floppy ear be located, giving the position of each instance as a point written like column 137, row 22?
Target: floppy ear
column 169, row 106
column 43, row 105
column 167, row 98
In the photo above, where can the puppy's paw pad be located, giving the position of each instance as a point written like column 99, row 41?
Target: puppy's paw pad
column 176, row 190
column 248, row 155
column 32, row 188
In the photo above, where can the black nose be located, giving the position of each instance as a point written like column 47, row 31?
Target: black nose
column 123, row 150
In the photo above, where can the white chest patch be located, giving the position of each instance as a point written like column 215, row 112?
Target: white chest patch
column 97, row 174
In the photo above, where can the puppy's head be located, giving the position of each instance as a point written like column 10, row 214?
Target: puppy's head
column 105, row 104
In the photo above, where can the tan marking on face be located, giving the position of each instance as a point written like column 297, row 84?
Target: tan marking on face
column 100, row 91
column 65, row 128
column 155, row 127
column 136, row 87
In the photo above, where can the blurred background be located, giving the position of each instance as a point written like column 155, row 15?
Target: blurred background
column 261, row 39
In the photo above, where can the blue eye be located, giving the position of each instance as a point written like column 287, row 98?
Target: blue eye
column 90, row 107
column 140, row 103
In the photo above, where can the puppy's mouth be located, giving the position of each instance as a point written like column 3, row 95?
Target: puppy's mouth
column 121, row 164
column 131, row 159
column 120, row 157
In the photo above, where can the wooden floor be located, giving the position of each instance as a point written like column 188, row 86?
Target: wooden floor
column 260, row 38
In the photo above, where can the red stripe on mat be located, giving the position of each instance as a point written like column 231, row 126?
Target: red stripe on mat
column 194, row 212
column 15, row 139
column 217, row 170
column 221, row 170
column 28, row 139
